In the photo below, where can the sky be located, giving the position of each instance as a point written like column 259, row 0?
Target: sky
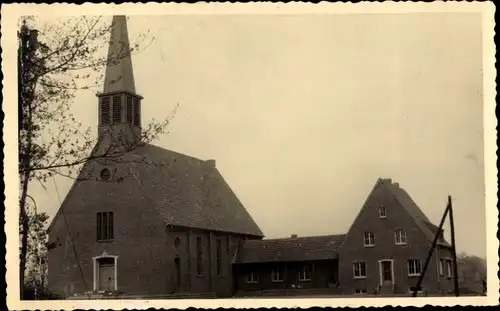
column 303, row 113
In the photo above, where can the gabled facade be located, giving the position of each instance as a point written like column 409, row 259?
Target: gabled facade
column 140, row 219
column 386, row 247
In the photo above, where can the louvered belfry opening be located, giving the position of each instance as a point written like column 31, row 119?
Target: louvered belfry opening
column 117, row 109
column 105, row 110
column 137, row 112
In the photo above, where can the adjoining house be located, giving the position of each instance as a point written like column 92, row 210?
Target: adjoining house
column 382, row 253
column 158, row 223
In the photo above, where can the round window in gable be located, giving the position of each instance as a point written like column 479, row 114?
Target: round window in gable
column 105, row 174
column 177, row 242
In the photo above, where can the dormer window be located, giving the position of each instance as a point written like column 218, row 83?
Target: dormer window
column 382, row 211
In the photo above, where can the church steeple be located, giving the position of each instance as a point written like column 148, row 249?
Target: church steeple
column 119, row 104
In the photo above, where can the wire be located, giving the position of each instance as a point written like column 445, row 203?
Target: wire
column 70, row 236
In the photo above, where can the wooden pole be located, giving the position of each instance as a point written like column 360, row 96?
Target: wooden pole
column 429, row 256
column 453, row 249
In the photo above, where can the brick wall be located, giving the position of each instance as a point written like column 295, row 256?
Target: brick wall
column 353, row 249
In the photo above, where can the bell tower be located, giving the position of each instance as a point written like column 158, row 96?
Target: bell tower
column 119, row 104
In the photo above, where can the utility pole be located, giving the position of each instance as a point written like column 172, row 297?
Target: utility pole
column 453, row 249
column 431, row 251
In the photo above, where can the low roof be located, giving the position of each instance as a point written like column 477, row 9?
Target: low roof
column 290, row 249
column 186, row 191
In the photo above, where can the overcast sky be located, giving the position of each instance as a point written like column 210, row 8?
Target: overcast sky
column 304, row 113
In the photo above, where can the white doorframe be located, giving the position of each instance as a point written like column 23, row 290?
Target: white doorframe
column 96, row 269
column 381, row 270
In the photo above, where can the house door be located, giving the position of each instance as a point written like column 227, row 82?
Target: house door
column 386, row 272
column 106, row 274
column 177, row 262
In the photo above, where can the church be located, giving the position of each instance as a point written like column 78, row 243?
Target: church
column 149, row 222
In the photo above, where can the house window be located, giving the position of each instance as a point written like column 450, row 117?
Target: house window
column 441, row 267
column 305, row 274
column 105, row 274
column 105, row 226
column 400, row 237
column 448, row 268
column 251, row 277
column 414, row 267
column 105, row 174
column 359, row 270
column 137, row 111
column 219, row 256
column 369, row 239
column 382, row 212
column 198, row 256
column 360, row 291
column 105, row 110
column 277, row 275
column 117, row 109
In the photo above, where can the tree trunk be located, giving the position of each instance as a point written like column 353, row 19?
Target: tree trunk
column 24, row 232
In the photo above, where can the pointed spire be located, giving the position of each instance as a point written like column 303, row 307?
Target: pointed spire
column 119, row 72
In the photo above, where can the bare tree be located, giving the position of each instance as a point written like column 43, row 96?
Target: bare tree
column 55, row 62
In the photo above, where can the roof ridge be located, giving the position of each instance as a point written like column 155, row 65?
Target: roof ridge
column 305, row 237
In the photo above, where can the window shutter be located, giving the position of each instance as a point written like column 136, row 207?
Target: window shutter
column 105, row 110
column 130, row 103
column 137, row 112
column 117, row 109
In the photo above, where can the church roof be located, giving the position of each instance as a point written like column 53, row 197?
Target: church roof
column 290, row 249
column 185, row 191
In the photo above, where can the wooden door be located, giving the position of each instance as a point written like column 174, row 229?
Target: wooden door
column 106, row 274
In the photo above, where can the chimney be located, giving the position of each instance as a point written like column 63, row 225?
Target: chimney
column 396, row 185
column 211, row 162
column 294, row 236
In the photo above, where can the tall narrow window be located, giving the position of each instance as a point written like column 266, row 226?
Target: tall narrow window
column 400, row 236
column 105, row 110
column 130, row 104
column 219, row 257
column 414, row 267
column 117, row 109
column 137, row 112
column 359, row 270
column 369, row 239
column 105, row 231
column 441, row 267
column 198, row 256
